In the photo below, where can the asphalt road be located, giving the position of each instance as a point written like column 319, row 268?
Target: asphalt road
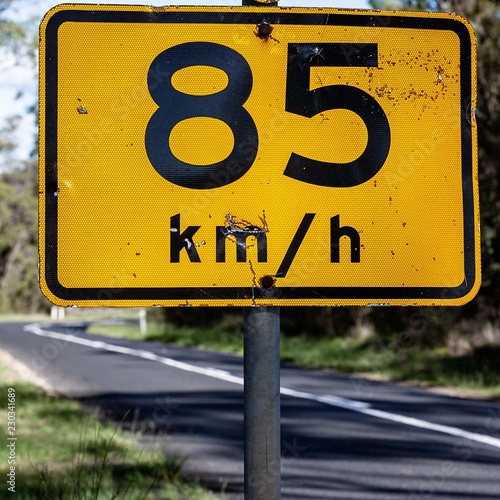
column 342, row 437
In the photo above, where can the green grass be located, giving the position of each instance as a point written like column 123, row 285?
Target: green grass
column 120, row 330
column 23, row 318
column 64, row 453
column 477, row 371
column 224, row 337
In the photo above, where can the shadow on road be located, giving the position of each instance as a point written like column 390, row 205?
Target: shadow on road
column 363, row 458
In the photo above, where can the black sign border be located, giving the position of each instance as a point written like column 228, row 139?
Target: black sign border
column 283, row 294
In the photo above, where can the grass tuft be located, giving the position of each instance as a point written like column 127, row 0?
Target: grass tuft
column 63, row 453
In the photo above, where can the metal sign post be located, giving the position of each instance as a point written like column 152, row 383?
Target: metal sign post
column 261, row 329
column 260, row 3
column 262, row 403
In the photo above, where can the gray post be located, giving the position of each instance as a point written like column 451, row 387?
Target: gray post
column 261, row 330
column 262, row 3
column 262, row 403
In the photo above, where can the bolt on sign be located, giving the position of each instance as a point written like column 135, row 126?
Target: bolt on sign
column 201, row 155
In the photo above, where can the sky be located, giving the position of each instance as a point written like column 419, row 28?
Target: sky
column 19, row 83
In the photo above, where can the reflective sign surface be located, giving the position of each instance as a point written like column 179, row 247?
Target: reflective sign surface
column 196, row 156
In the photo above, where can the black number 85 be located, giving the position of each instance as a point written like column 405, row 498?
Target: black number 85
column 227, row 106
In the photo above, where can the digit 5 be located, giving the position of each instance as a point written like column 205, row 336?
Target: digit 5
column 302, row 101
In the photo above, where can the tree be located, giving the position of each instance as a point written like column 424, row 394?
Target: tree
column 18, row 242
column 18, row 192
column 18, row 39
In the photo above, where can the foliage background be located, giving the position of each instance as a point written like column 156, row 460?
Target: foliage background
column 18, row 187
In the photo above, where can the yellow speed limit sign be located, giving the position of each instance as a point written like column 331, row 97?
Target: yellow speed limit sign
column 206, row 155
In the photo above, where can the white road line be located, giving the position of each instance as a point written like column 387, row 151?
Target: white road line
column 336, row 401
